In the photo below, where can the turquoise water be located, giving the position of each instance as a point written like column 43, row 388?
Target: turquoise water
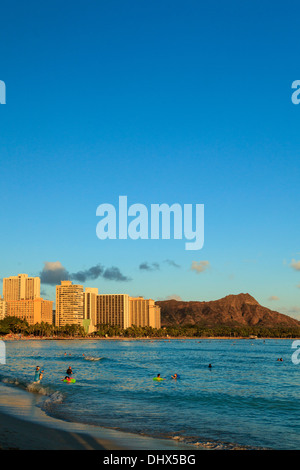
column 247, row 398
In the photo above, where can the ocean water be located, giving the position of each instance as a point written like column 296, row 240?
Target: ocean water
column 247, row 399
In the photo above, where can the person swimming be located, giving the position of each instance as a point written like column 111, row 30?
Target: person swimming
column 67, row 379
column 175, row 376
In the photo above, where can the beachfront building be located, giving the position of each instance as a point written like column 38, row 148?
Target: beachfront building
column 90, row 309
column 69, row 304
column 21, row 287
column 125, row 311
column 113, row 309
column 2, row 308
column 31, row 310
column 144, row 312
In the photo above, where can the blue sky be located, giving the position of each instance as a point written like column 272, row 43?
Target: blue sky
column 165, row 102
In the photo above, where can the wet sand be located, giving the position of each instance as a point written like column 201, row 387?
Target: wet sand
column 23, row 435
column 20, row 434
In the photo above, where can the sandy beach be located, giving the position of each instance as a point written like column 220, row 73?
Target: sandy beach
column 22, row 435
column 19, row 434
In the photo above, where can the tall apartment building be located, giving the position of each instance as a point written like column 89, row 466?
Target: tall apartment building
column 90, row 304
column 144, row 312
column 113, row 309
column 31, row 310
column 90, row 309
column 69, row 304
column 125, row 311
column 2, row 308
column 33, row 288
column 21, row 287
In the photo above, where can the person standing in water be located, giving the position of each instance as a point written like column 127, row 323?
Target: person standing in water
column 37, row 374
column 69, row 371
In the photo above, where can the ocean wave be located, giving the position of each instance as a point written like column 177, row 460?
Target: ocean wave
column 12, row 381
column 34, row 387
column 213, row 445
column 54, row 399
column 92, row 358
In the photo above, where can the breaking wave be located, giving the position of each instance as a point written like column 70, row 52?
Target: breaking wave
column 53, row 397
column 92, row 358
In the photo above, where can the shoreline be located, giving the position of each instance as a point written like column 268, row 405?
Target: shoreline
column 24, row 426
column 27, row 427
column 16, row 337
column 20, row 434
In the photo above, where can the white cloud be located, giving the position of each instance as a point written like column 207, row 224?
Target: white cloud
column 273, row 297
column 199, row 266
column 295, row 265
column 53, row 272
column 173, row 297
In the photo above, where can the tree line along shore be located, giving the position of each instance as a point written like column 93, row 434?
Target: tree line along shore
column 11, row 326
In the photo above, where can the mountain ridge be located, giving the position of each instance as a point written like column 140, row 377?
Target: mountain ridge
column 231, row 310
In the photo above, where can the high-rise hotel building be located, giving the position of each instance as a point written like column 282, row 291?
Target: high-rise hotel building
column 22, row 298
column 113, row 309
column 69, row 304
column 90, row 309
column 90, row 304
column 125, row 311
column 2, row 308
column 31, row 310
column 21, row 287
column 144, row 312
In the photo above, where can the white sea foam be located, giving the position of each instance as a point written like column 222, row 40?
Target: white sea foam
column 35, row 387
column 54, row 399
column 92, row 358
column 8, row 380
